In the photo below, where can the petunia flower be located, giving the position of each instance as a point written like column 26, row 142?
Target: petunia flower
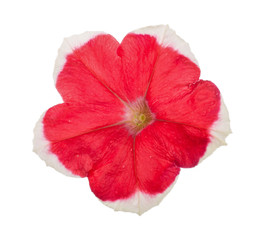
column 134, row 113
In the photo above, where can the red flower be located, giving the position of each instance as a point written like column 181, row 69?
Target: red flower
column 134, row 113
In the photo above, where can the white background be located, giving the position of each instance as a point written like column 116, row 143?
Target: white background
column 219, row 199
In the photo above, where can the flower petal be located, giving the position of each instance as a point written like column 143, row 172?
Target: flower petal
column 66, row 121
column 138, row 55
column 167, row 37
column 155, row 56
column 155, row 175
column 112, row 176
column 68, row 46
column 219, row 130
column 70, row 120
column 160, row 149
column 175, row 143
column 88, row 68
column 139, row 202
column 155, row 170
column 126, row 176
column 42, row 148
column 199, row 105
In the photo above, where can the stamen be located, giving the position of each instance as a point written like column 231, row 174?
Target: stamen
column 138, row 116
column 142, row 117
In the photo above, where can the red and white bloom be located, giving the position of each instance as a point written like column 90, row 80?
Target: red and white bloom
column 134, row 113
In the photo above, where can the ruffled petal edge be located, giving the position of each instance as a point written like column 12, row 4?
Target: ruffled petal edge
column 139, row 202
column 68, row 46
column 41, row 147
column 167, row 37
column 219, row 130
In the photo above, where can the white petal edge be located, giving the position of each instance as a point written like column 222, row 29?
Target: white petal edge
column 68, row 46
column 168, row 38
column 41, row 147
column 218, row 131
column 139, row 202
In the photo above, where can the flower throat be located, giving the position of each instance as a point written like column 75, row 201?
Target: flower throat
column 138, row 116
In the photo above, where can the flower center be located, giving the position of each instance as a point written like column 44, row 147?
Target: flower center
column 138, row 115
column 139, row 120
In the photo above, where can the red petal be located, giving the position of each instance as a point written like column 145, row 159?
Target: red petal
column 138, row 55
column 128, row 175
column 73, row 154
column 167, row 37
column 155, row 56
column 112, row 176
column 155, row 170
column 65, row 122
column 172, row 143
column 172, row 74
column 196, row 105
column 42, row 148
column 70, row 120
column 91, row 71
column 105, row 156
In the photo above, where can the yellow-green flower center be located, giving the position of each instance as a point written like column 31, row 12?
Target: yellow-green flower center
column 139, row 120
column 138, row 116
